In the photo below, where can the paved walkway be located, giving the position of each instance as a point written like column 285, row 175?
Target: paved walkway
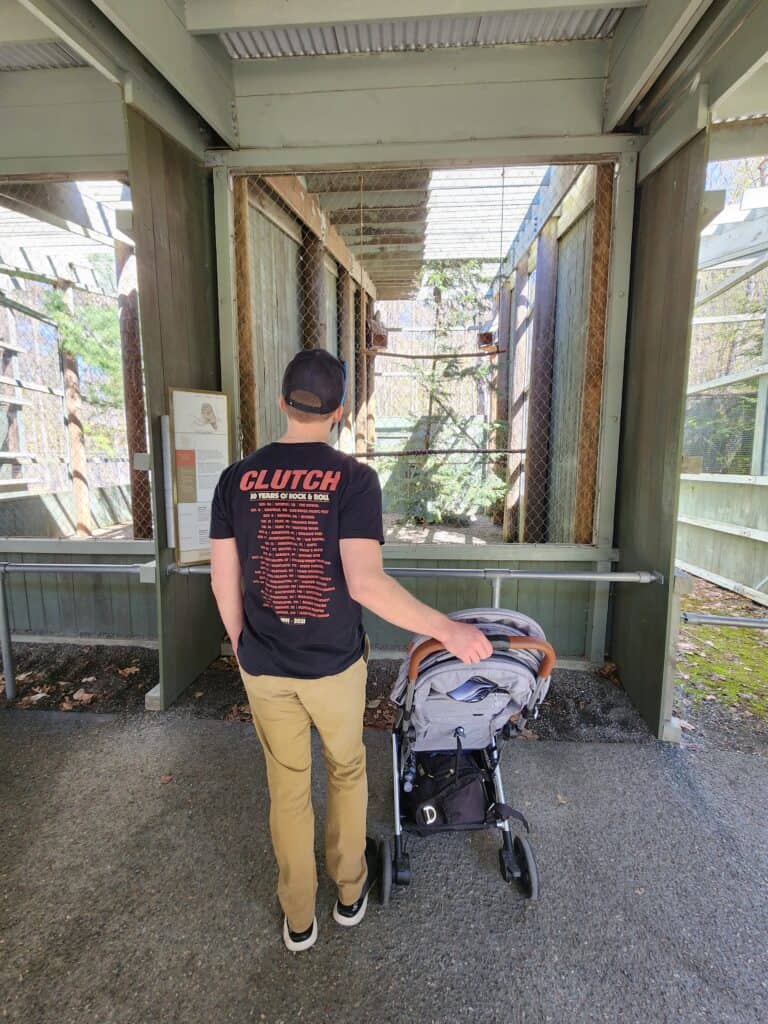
column 127, row 899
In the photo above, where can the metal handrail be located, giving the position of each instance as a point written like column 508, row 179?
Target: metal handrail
column 38, row 568
column 495, row 576
column 694, row 619
column 533, row 574
column 487, row 574
column 131, row 568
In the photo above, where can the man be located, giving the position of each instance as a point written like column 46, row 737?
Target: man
column 296, row 535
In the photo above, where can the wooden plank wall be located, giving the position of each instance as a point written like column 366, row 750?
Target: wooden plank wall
column 571, row 323
column 560, row 608
column 173, row 230
column 662, row 289
column 88, row 606
column 276, row 331
column 743, row 559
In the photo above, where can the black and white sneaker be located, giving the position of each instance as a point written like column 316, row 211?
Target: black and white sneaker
column 350, row 914
column 297, row 942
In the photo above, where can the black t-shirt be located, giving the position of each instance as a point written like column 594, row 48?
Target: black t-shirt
column 288, row 506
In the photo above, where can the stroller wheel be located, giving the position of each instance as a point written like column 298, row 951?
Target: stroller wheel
column 385, row 871
column 529, row 872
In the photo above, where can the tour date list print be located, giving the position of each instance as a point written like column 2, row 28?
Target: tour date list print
column 289, row 567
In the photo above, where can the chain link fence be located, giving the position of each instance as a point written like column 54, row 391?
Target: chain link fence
column 64, row 455
column 435, row 402
column 479, row 409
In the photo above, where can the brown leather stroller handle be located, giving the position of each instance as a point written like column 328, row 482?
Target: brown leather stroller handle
column 516, row 643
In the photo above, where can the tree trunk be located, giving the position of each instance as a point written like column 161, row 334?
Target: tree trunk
column 78, row 463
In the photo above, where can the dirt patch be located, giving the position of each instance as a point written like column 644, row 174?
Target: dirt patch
column 585, row 707
column 482, row 530
column 219, row 693
column 66, row 677
column 579, row 706
column 721, row 696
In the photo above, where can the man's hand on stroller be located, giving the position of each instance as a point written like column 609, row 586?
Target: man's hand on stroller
column 372, row 587
column 465, row 642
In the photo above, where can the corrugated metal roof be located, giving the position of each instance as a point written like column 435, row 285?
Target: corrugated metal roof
column 37, row 57
column 422, row 33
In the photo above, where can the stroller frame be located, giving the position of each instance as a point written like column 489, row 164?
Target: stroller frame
column 517, row 862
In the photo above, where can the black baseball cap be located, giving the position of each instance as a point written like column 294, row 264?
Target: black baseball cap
column 314, row 381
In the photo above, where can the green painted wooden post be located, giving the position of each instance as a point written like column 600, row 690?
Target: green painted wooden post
column 663, row 276
column 613, row 382
column 173, row 227
column 225, row 275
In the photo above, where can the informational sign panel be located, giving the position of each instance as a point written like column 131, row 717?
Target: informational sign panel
column 199, row 452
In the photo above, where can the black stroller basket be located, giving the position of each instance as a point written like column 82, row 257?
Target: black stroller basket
column 445, row 756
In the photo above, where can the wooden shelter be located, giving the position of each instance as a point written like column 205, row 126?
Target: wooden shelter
column 244, row 141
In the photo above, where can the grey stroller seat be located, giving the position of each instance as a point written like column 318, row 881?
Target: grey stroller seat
column 512, row 683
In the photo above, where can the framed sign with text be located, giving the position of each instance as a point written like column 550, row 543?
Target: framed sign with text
column 200, row 448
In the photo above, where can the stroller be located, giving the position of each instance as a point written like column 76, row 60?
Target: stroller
column 445, row 757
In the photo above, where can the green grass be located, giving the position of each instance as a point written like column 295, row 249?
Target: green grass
column 724, row 662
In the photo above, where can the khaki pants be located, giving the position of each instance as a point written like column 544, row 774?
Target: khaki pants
column 283, row 710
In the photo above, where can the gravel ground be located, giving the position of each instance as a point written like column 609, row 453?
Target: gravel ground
column 138, row 887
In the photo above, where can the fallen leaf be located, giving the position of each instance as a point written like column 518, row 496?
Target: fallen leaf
column 610, row 671
column 66, row 705
column 639, row 892
column 198, row 693
column 238, row 713
column 130, row 670
column 166, row 779
column 88, row 679
column 526, row 734
column 83, row 696
column 686, row 726
column 23, row 676
column 373, row 703
column 31, row 698
column 561, row 799
column 710, row 696
column 63, row 682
